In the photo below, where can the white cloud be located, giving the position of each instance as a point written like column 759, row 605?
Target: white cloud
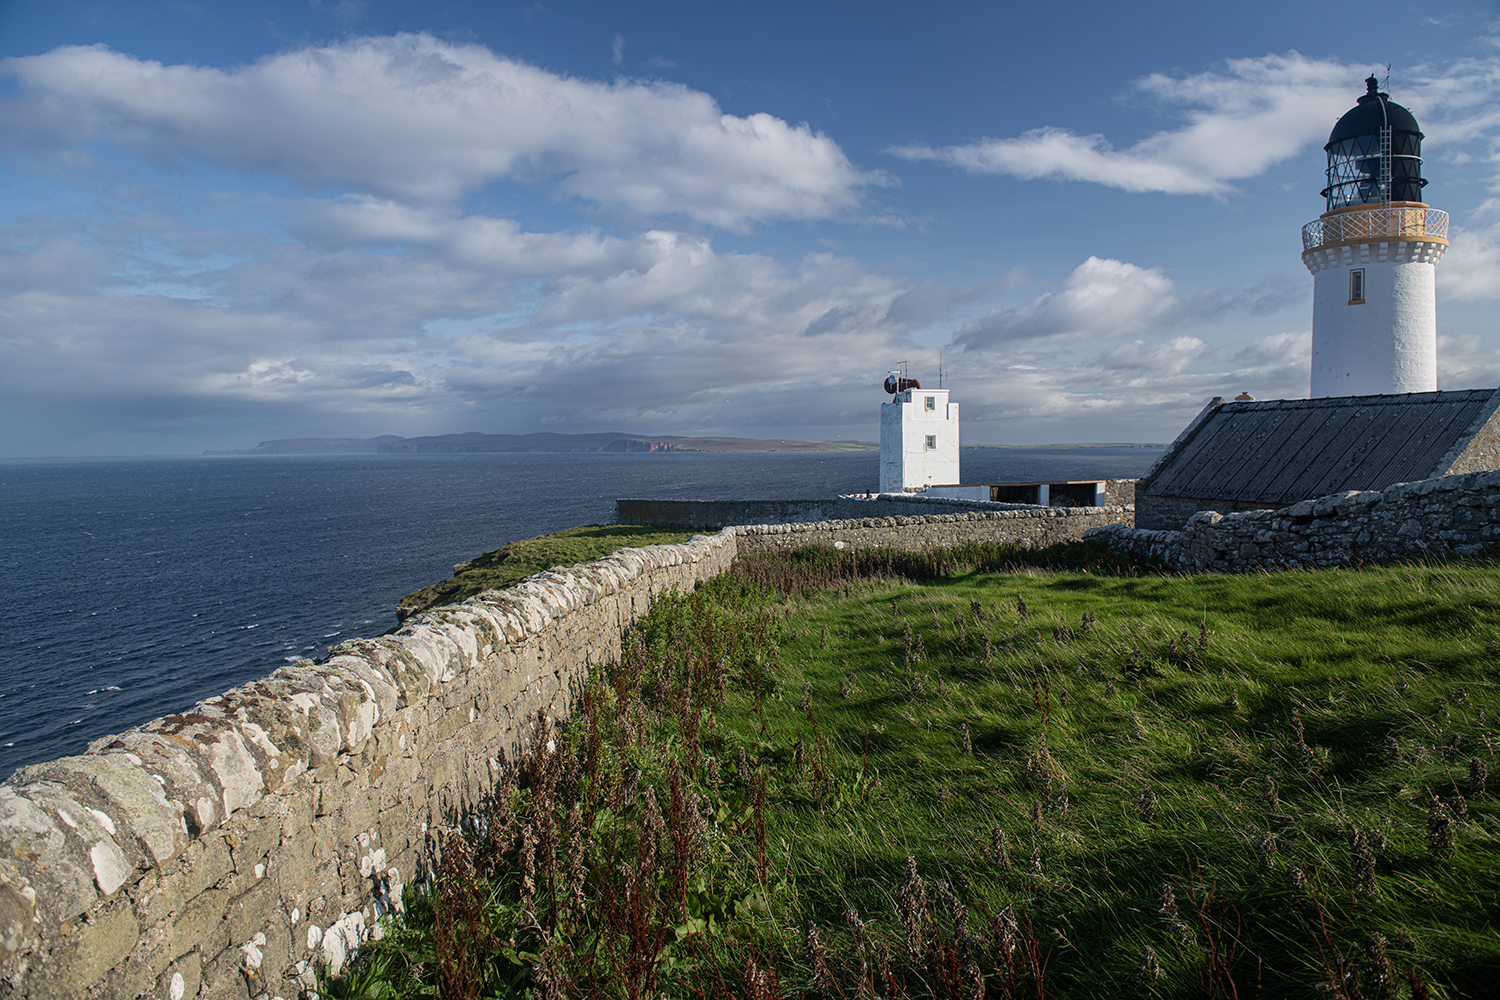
column 1238, row 122
column 1115, row 346
column 415, row 119
column 1142, row 389
column 1163, row 358
column 1470, row 270
column 1101, row 298
column 1464, row 362
column 1279, row 349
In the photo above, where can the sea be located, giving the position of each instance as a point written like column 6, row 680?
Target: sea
column 134, row 588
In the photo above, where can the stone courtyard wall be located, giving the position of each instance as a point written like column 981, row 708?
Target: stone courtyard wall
column 224, row 851
column 716, row 514
column 1449, row 516
column 1031, row 527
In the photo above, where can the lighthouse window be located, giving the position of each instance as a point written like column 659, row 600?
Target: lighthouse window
column 1357, row 286
column 932, row 442
column 931, row 402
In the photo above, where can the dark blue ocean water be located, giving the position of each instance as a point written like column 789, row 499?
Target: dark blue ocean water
column 135, row 587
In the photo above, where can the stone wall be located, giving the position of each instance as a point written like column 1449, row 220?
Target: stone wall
column 1118, row 492
column 1452, row 515
column 1033, row 527
column 1172, row 513
column 723, row 513
column 223, row 851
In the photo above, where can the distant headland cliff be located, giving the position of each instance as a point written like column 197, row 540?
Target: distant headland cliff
column 476, row 442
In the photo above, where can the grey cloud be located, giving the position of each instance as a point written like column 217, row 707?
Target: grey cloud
column 1107, row 299
column 386, row 318
column 1270, row 295
column 1101, row 298
column 933, row 301
column 1463, row 362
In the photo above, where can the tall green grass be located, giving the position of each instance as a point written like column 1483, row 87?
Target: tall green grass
column 818, row 776
column 515, row 561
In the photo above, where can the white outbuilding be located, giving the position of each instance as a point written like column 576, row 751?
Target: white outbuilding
column 918, row 437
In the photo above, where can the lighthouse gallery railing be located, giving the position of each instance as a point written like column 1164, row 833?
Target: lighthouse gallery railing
column 1396, row 223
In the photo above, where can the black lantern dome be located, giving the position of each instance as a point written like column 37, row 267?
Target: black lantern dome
column 1374, row 153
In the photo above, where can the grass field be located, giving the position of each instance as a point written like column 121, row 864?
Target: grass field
column 515, row 561
column 815, row 778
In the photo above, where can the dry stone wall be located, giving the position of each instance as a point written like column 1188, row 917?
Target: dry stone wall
column 1452, row 515
column 224, row 851
column 699, row 514
column 1033, row 527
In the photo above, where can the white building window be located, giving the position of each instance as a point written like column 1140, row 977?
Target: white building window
column 932, row 442
column 1357, row 286
column 931, row 403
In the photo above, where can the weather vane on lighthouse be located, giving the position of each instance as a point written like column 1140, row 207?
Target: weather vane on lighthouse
column 1373, row 257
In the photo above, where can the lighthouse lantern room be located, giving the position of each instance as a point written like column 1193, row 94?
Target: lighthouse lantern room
column 1373, row 257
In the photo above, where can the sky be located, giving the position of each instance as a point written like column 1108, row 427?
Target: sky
column 223, row 223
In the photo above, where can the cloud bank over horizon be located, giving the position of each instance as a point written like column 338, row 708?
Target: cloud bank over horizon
column 319, row 242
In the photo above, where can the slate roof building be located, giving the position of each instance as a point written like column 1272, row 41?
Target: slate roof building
column 1273, row 453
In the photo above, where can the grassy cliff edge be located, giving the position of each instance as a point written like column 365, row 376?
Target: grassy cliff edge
column 515, row 561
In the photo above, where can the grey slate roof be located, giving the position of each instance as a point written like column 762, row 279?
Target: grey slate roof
column 1285, row 450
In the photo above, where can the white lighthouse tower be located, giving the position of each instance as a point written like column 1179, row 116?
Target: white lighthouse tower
column 1373, row 256
column 918, row 437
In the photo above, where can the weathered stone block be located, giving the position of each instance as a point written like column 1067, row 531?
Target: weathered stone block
column 36, row 845
column 292, row 865
column 201, row 924
column 251, row 841
column 208, row 862
column 181, row 979
column 101, row 945
column 276, row 957
column 133, row 801
column 222, row 978
column 153, row 950
column 130, row 979
column 252, row 911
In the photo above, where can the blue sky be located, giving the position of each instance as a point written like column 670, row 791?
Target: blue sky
column 223, row 223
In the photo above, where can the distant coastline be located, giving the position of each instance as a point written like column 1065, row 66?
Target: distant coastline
column 475, row 442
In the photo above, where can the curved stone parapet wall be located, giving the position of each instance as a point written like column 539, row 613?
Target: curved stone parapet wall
column 226, row 850
column 1450, row 516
